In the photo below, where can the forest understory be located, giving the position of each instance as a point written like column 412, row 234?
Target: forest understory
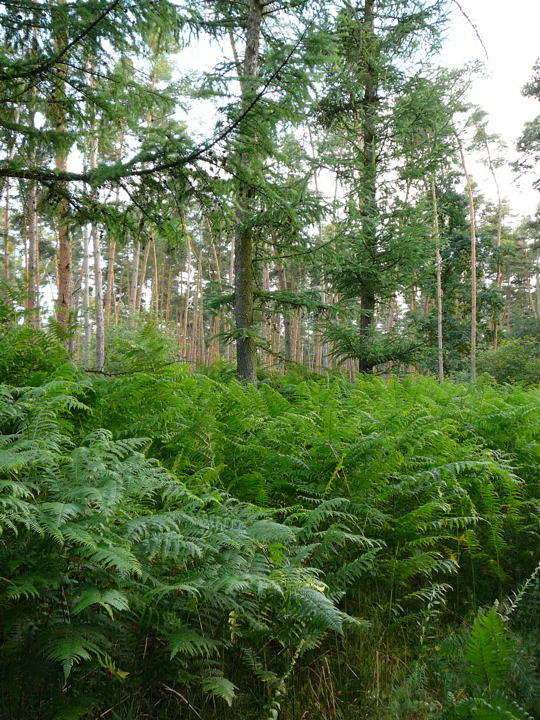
column 180, row 544
column 269, row 366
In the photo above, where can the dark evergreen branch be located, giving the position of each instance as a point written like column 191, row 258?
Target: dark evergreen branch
column 50, row 62
column 48, row 175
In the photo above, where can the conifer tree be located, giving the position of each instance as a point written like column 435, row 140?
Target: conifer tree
column 373, row 38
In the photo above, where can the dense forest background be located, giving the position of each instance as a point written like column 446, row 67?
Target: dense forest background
column 269, row 407
column 330, row 218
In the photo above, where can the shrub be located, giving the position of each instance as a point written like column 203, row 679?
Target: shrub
column 28, row 356
column 514, row 361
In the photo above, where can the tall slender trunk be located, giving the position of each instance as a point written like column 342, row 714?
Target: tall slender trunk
column 169, row 296
column 142, row 276
column 98, row 299
column 24, row 229
column 6, row 232
column 367, row 314
column 438, row 271
column 287, row 324
column 154, row 297
column 185, row 320
column 98, row 274
column 472, row 228
column 246, row 351
column 32, row 304
column 368, row 189
column 213, row 346
column 85, row 281
column 109, row 293
column 498, row 241
column 196, row 319
column 134, row 285
column 318, row 347
column 200, row 337
column 65, row 270
column 7, row 217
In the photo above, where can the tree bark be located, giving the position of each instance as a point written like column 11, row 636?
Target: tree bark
column 98, row 275
column 185, row 320
column 7, row 217
column 85, row 301
column 287, row 325
column 439, row 294
column 154, row 297
column 246, row 351
column 142, row 277
column 6, row 233
column 109, row 293
column 169, row 296
column 498, row 241
column 367, row 313
column 32, row 304
column 368, row 190
column 472, row 233
column 65, row 270
column 134, row 285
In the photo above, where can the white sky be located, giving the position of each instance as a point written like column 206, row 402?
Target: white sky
column 510, row 31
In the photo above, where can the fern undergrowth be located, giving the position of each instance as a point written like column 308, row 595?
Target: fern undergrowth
column 179, row 545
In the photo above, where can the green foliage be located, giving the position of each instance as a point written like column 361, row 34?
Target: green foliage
column 514, row 361
column 261, row 533
column 29, row 357
column 485, row 680
column 115, row 572
column 489, row 651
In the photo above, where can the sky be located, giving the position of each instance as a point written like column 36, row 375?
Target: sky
column 510, row 32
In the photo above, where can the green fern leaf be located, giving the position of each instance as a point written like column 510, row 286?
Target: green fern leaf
column 218, row 686
column 489, row 651
column 108, row 599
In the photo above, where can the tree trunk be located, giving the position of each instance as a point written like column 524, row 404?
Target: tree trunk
column 65, row 279
column 367, row 313
column 439, row 294
column 169, row 296
column 98, row 299
column 472, row 226
column 185, row 321
column 6, row 233
column 7, row 217
column 98, row 275
column 32, row 304
column 213, row 346
column 134, row 285
column 498, row 241
column 287, row 325
column 85, row 301
column 142, row 277
column 109, row 293
column 154, row 297
column 246, row 351
column 200, row 339
column 368, row 190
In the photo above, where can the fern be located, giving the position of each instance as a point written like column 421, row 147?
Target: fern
column 489, row 652
column 220, row 687
column 175, row 539
column 102, row 546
